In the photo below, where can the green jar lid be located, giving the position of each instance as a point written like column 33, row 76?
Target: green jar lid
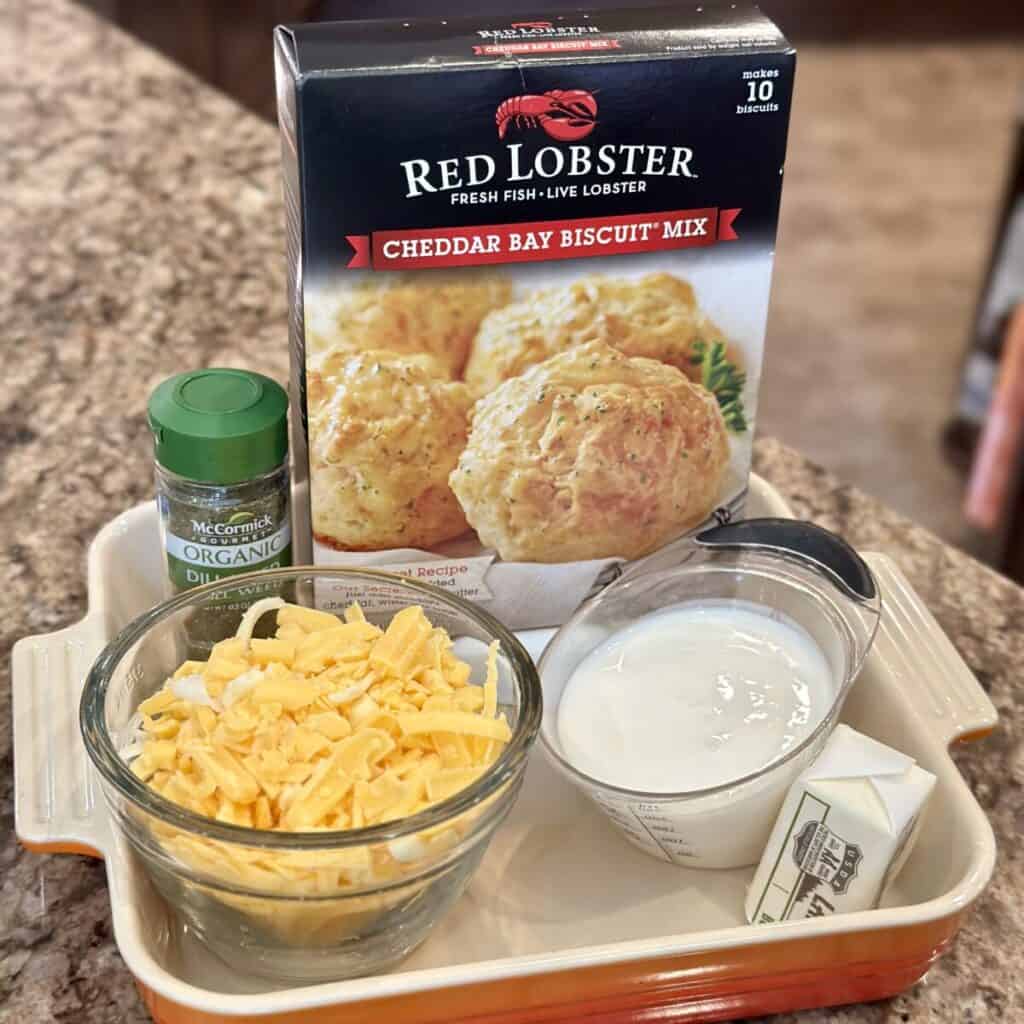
column 219, row 426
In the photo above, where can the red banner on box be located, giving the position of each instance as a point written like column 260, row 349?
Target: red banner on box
column 541, row 240
column 546, row 46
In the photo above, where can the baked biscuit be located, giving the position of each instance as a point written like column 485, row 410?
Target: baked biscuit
column 384, row 434
column 654, row 316
column 329, row 362
column 512, row 339
column 591, row 454
column 435, row 315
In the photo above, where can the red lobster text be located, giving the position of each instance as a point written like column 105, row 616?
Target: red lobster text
column 564, row 114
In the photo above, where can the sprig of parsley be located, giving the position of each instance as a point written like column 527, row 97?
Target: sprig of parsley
column 723, row 380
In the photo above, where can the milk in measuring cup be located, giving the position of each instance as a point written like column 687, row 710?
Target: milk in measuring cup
column 692, row 697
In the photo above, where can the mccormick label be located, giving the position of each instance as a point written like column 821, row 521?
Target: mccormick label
column 200, row 550
column 529, row 270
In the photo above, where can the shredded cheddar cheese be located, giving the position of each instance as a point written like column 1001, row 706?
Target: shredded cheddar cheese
column 328, row 725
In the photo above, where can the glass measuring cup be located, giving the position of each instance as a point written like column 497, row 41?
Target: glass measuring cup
column 792, row 571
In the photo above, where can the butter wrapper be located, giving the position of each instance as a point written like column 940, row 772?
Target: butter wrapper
column 845, row 829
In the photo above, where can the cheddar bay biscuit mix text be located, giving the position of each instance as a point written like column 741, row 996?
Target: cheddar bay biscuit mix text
column 529, row 264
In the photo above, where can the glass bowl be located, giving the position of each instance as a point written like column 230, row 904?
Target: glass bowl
column 728, row 825
column 303, row 906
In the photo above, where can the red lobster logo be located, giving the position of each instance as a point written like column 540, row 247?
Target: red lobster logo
column 539, row 26
column 565, row 114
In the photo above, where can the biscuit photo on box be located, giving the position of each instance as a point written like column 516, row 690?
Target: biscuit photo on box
column 385, row 432
column 656, row 316
column 437, row 315
column 591, row 454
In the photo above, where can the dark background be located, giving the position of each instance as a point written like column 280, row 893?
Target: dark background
column 227, row 42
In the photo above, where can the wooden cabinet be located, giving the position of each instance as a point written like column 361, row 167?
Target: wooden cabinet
column 225, row 42
column 228, row 43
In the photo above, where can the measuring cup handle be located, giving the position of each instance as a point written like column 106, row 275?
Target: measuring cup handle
column 806, row 541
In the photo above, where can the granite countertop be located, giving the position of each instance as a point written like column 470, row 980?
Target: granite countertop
column 143, row 234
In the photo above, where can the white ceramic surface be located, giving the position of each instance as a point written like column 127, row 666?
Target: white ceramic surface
column 558, row 888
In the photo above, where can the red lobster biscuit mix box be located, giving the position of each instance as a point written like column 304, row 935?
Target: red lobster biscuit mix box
column 529, row 266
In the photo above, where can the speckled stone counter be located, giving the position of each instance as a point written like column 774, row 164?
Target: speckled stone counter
column 142, row 233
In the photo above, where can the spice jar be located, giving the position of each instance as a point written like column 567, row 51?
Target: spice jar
column 221, row 448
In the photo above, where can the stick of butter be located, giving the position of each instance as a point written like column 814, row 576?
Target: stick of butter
column 845, row 829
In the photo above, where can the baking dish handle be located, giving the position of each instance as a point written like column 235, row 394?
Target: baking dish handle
column 57, row 806
column 945, row 694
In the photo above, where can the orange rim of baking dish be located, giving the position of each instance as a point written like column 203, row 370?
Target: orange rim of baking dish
column 710, row 986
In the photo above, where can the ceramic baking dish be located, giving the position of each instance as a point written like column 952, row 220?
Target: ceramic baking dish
column 564, row 920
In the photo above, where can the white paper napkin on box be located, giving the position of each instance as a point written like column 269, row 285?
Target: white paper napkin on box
column 844, row 831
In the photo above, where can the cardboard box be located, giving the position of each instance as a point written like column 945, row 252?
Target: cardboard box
column 529, row 265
